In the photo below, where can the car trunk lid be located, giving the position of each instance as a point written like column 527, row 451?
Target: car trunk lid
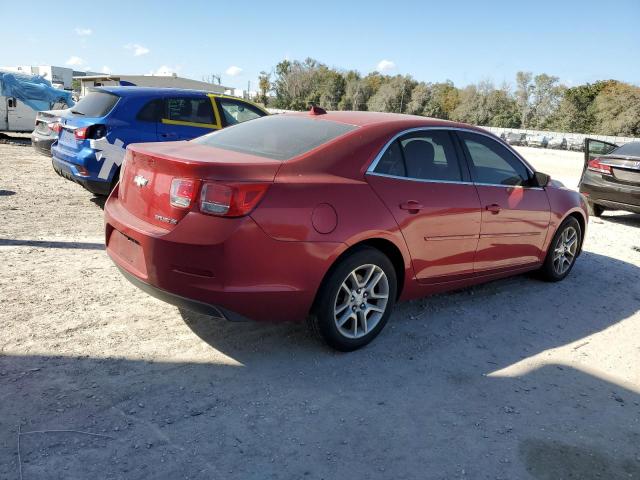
column 149, row 169
column 623, row 169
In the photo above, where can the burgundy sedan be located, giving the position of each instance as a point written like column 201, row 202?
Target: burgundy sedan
column 334, row 217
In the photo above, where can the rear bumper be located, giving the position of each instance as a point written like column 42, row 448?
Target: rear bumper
column 609, row 194
column 182, row 302
column 220, row 266
column 42, row 144
column 70, row 172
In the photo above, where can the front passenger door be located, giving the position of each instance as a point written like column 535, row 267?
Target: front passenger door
column 515, row 215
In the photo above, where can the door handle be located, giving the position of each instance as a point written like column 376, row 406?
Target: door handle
column 493, row 208
column 168, row 135
column 411, row 206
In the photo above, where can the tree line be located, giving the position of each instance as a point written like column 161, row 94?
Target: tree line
column 541, row 102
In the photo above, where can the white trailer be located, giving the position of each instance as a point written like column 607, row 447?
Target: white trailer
column 23, row 95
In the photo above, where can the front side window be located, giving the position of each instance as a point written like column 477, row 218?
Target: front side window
column 192, row 110
column 424, row 155
column 235, row 112
column 492, row 163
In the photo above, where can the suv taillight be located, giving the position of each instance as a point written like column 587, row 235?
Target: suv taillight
column 231, row 200
column 92, row 131
column 596, row 165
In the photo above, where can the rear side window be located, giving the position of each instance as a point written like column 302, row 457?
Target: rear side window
column 235, row 112
column 193, row 110
column 151, row 112
column 95, row 104
column 279, row 137
column 425, row 155
column 628, row 149
column 492, row 163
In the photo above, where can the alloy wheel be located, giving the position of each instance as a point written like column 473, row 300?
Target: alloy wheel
column 361, row 301
column 565, row 250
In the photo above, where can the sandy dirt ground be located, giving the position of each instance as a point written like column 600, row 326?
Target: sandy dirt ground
column 516, row 379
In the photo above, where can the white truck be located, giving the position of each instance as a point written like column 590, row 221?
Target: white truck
column 22, row 96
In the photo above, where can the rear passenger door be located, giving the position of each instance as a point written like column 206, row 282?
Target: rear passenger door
column 148, row 118
column 515, row 214
column 428, row 190
column 187, row 117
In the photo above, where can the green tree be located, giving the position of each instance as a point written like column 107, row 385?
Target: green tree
column 393, row 95
column 264, row 85
column 617, row 110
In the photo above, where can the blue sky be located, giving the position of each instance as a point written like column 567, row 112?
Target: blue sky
column 465, row 41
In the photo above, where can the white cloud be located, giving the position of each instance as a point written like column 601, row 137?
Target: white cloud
column 137, row 49
column 233, row 71
column 83, row 32
column 75, row 61
column 106, row 70
column 164, row 71
column 384, row 65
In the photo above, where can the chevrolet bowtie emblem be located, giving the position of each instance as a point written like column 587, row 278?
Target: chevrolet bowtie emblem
column 140, row 181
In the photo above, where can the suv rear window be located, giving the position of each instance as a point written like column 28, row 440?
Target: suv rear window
column 95, row 104
column 279, row 137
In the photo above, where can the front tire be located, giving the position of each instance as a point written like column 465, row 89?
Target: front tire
column 355, row 300
column 563, row 250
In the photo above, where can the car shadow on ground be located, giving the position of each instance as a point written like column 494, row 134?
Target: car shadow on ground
column 99, row 200
column 428, row 399
column 629, row 219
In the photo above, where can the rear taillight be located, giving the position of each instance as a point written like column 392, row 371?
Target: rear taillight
column 182, row 192
column 55, row 127
column 92, row 131
column 596, row 165
column 80, row 133
column 231, row 200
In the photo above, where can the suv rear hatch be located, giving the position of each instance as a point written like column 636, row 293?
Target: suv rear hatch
column 149, row 169
column 85, row 120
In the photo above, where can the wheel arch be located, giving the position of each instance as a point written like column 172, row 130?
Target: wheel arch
column 582, row 221
column 387, row 247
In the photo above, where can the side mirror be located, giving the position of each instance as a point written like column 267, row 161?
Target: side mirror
column 541, row 179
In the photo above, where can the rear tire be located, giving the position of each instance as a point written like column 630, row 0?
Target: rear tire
column 563, row 250
column 355, row 300
column 596, row 210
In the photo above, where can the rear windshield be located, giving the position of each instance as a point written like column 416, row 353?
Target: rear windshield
column 95, row 104
column 279, row 137
column 628, row 149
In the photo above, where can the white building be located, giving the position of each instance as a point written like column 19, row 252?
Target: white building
column 161, row 81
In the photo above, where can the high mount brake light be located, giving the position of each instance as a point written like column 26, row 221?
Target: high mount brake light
column 596, row 165
column 231, row 200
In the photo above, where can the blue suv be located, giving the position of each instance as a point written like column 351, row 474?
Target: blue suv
column 95, row 132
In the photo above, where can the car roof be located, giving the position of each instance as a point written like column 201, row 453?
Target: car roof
column 364, row 119
column 123, row 91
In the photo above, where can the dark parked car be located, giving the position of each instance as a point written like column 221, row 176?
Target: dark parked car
column 46, row 130
column 513, row 138
column 335, row 215
column 611, row 176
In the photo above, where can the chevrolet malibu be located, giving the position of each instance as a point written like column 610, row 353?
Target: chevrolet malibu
column 334, row 217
